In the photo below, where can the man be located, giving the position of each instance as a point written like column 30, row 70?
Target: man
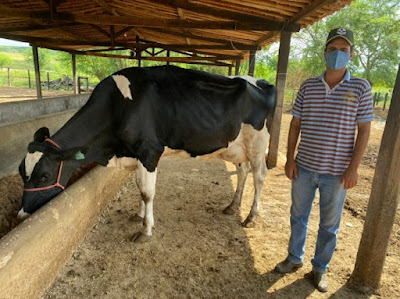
column 328, row 111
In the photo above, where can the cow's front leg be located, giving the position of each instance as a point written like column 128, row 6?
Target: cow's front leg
column 242, row 172
column 259, row 170
column 146, row 182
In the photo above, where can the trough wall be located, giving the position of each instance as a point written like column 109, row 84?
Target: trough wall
column 33, row 253
column 20, row 120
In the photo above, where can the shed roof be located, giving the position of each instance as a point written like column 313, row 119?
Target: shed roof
column 212, row 31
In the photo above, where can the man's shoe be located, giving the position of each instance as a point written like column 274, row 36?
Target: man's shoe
column 320, row 281
column 287, row 266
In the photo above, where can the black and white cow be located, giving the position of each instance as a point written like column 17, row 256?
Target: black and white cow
column 137, row 114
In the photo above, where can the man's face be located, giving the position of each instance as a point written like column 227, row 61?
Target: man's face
column 339, row 44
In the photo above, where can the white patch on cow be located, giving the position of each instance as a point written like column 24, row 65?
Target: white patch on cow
column 22, row 214
column 123, row 85
column 31, row 160
column 250, row 79
column 123, row 163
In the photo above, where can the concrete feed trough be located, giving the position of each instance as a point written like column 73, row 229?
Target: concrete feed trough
column 32, row 254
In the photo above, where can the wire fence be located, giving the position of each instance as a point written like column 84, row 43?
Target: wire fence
column 50, row 80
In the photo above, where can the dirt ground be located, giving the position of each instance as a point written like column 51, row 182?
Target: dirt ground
column 198, row 252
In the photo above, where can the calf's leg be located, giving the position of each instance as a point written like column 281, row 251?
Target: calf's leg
column 146, row 182
column 242, row 172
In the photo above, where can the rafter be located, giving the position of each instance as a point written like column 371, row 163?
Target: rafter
column 306, row 11
column 197, row 37
column 148, row 22
column 37, row 27
column 198, row 7
column 142, row 46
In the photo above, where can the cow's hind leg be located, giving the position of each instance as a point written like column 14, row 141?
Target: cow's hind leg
column 146, row 182
column 242, row 172
column 259, row 170
column 139, row 216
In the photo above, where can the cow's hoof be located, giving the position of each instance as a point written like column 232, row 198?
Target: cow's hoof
column 136, row 218
column 229, row 211
column 248, row 223
column 140, row 238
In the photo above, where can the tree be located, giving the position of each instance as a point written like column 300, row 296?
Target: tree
column 376, row 26
column 5, row 60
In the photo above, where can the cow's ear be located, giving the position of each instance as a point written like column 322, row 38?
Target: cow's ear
column 41, row 134
column 76, row 153
column 36, row 147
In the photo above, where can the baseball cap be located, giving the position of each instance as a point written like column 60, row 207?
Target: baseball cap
column 341, row 32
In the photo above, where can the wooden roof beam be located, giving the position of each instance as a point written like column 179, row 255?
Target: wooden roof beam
column 197, row 7
column 197, row 37
column 101, row 30
column 148, row 22
column 37, row 27
column 217, row 56
column 107, row 7
column 312, row 7
column 143, row 46
column 190, row 60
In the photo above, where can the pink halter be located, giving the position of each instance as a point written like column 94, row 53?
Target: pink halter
column 57, row 184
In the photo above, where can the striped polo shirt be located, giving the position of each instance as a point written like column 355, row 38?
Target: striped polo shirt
column 329, row 119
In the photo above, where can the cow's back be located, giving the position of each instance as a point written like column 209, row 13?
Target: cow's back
column 190, row 110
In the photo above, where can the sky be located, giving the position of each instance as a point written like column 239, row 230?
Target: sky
column 8, row 42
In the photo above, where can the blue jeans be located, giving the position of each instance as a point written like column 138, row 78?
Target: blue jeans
column 332, row 197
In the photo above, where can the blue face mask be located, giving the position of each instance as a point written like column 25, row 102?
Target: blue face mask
column 337, row 59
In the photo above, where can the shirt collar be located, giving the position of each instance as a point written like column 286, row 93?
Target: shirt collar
column 345, row 78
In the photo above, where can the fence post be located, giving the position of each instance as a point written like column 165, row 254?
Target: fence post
column 374, row 100
column 79, row 85
column 29, row 79
column 9, row 79
column 384, row 103
column 48, row 81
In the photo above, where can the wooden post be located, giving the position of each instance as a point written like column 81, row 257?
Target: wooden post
column 37, row 72
column 138, row 52
column 48, row 81
column 384, row 103
column 168, row 55
column 79, row 85
column 9, row 78
column 252, row 62
column 29, row 79
column 237, row 67
column 230, row 70
column 383, row 201
column 284, row 48
column 74, row 72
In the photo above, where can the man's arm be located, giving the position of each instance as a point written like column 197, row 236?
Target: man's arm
column 350, row 176
column 294, row 132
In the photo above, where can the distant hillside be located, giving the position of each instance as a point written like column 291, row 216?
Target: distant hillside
column 18, row 55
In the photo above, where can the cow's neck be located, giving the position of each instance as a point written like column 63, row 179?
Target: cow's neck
column 89, row 128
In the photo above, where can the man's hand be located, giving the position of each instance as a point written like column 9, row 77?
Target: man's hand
column 349, row 178
column 291, row 169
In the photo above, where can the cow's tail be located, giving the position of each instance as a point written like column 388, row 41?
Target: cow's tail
column 271, row 98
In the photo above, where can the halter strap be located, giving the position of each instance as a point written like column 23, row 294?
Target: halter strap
column 57, row 183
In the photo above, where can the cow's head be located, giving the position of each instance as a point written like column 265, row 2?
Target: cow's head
column 45, row 171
